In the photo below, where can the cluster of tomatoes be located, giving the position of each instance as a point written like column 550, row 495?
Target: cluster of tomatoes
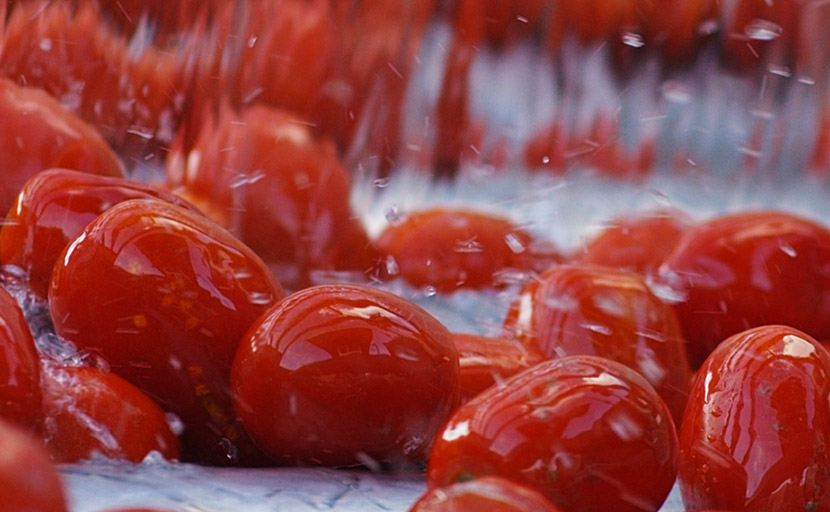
column 176, row 334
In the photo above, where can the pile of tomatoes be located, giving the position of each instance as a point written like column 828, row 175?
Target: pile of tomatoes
column 177, row 187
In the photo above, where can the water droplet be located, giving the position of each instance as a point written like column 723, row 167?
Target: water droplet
column 676, row 92
column 779, row 70
column 370, row 462
column 45, row 44
column 633, row 39
column 708, row 27
column 393, row 216
column 514, row 243
column 763, row 30
column 598, row 328
column 787, row 249
column 175, row 423
column 546, row 159
column 430, row 291
column 382, row 182
column 251, row 41
column 391, row 265
column 231, row 452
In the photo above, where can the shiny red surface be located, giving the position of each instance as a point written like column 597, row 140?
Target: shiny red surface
column 754, row 436
column 89, row 412
column 486, row 361
column 52, row 209
column 589, row 433
column 28, row 481
column 177, row 295
column 490, row 493
column 638, row 243
column 583, row 309
column 264, row 176
column 749, row 269
column 38, row 133
column 345, row 375
column 20, row 394
column 450, row 249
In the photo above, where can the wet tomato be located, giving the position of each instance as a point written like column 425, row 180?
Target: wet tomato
column 20, row 394
column 345, row 375
column 749, row 269
column 177, row 294
column 582, row 309
column 489, row 493
column 52, row 209
column 89, row 411
column 38, row 133
column 589, row 433
column 450, row 249
column 639, row 243
column 28, row 480
column 284, row 193
column 133, row 94
column 486, row 361
column 754, row 436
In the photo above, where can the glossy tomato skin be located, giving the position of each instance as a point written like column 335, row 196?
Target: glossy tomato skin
column 53, row 208
column 749, row 269
column 592, row 310
column 490, row 493
column 20, row 393
column 451, row 249
column 485, row 361
column 264, row 176
column 338, row 375
column 180, row 292
column 754, row 436
column 639, row 243
column 89, row 411
column 38, row 133
column 28, row 480
column 589, row 433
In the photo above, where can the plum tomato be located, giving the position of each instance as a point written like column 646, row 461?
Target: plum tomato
column 639, row 243
column 489, row 493
column 28, row 480
column 754, row 436
column 284, row 193
column 344, row 375
column 132, row 93
column 582, row 309
column 164, row 296
column 450, row 249
column 486, row 361
column 52, row 209
column 89, row 411
column 20, row 393
column 749, row 269
column 38, row 133
column 588, row 432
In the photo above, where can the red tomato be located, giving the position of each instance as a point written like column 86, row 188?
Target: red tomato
column 489, row 493
column 89, row 411
column 574, row 309
column 52, row 209
column 594, row 21
column 135, row 98
column 754, row 436
column 37, row 133
column 20, row 394
column 680, row 26
column 28, row 481
column 485, row 362
column 746, row 270
column 640, row 243
column 284, row 193
column 177, row 294
column 451, row 249
column 588, row 432
column 345, row 375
